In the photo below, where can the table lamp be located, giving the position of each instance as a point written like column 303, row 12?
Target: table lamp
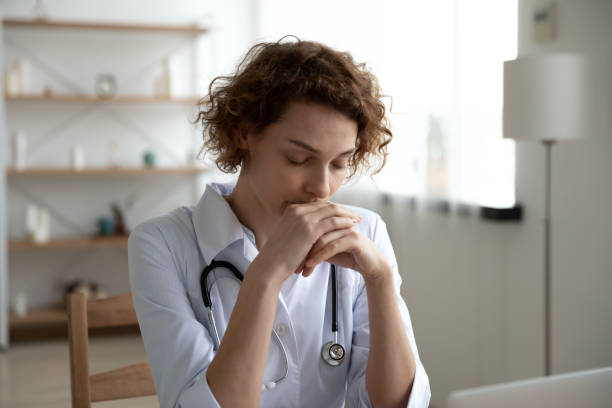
column 547, row 98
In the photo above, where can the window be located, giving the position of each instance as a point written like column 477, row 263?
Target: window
column 442, row 63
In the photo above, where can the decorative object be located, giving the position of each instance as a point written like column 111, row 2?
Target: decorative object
column 120, row 228
column 106, row 85
column 544, row 22
column 41, row 234
column 547, row 98
column 149, row 159
column 19, row 149
column 17, row 78
column 79, row 286
column 20, row 304
column 91, row 290
column 31, row 220
column 106, row 226
column 37, row 224
column 12, row 81
column 39, row 10
column 161, row 82
column 77, row 157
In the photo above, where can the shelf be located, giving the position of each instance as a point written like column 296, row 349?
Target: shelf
column 76, row 98
column 98, row 25
column 42, row 324
column 70, row 243
column 102, row 171
column 39, row 318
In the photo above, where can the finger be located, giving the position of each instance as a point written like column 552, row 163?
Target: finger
column 326, row 239
column 335, row 247
column 307, row 271
column 333, row 224
column 320, row 210
column 303, row 208
column 332, row 210
column 300, row 268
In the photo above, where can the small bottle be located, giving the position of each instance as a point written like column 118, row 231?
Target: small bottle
column 77, row 158
column 12, row 82
column 19, row 150
column 20, row 304
column 31, row 221
column 41, row 235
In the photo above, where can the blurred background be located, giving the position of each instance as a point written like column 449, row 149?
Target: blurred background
column 96, row 136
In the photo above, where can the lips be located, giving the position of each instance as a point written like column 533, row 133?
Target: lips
column 302, row 202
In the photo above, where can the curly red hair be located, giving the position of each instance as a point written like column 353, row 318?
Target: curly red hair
column 270, row 76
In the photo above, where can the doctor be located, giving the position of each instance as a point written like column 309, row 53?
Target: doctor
column 291, row 271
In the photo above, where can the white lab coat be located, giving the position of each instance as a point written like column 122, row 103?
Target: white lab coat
column 166, row 257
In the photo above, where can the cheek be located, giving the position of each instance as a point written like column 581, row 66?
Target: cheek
column 336, row 182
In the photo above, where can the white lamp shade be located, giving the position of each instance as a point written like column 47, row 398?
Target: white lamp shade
column 547, row 97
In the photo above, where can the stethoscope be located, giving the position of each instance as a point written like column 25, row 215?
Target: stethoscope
column 332, row 353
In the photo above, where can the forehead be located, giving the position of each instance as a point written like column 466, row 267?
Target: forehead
column 317, row 125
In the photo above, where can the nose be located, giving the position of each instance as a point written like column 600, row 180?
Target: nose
column 317, row 183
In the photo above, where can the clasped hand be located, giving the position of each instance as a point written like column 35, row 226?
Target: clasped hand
column 311, row 233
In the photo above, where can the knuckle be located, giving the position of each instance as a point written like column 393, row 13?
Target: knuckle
column 335, row 221
column 311, row 228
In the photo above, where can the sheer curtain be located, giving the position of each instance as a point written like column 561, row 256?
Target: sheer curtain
column 441, row 62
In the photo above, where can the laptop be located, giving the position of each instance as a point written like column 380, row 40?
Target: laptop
column 583, row 389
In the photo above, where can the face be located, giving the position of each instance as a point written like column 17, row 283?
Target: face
column 300, row 158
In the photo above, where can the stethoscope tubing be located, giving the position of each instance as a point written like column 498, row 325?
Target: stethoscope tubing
column 334, row 283
column 333, row 358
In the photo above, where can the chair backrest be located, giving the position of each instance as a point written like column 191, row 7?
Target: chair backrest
column 125, row 382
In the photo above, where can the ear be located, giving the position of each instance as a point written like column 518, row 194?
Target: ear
column 243, row 139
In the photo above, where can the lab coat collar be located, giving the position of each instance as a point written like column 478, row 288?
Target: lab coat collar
column 216, row 225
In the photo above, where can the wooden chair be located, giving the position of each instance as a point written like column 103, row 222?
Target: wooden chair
column 125, row 382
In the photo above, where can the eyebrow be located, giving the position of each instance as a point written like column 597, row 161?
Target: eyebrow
column 312, row 149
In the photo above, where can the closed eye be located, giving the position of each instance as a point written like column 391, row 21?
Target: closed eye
column 303, row 162
column 297, row 163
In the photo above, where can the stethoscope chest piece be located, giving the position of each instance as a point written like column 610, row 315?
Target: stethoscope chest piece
column 333, row 353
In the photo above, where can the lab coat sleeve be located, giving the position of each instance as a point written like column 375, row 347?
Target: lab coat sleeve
column 357, row 394
column 178, row 347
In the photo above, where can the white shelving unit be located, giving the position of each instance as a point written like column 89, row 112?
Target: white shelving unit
column 39, row 317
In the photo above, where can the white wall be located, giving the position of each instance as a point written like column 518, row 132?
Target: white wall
column 581, row 225
column 453, row 269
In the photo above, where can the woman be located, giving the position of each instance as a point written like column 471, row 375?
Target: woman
column 297, row 119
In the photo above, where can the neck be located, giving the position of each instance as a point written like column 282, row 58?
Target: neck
column 250, row 211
